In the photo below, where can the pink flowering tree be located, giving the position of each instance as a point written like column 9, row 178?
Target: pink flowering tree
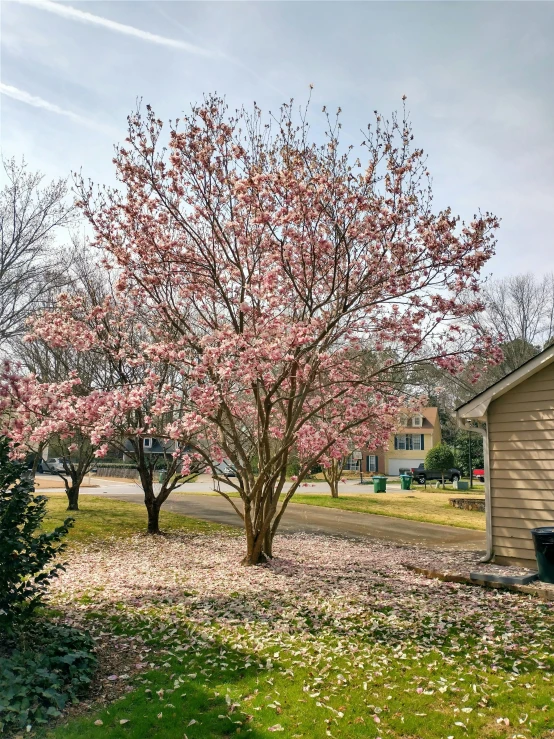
column 373, row 432
column 32, row 383
column 36, row 414
column 131, row 395
column 270, row 265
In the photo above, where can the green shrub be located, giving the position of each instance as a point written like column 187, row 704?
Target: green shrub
column 42, row 665
column 42, row 669
column 24, row 554
column 440, row 457
column 293, row 468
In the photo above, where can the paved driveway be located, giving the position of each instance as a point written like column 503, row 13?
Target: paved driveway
column 308, row 518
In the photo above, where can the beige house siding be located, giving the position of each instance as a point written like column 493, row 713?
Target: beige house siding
column 521, row 442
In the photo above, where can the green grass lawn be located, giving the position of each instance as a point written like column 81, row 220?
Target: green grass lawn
column 238, row 695
column 414, row 506
column 102, row 519
column 334, row 639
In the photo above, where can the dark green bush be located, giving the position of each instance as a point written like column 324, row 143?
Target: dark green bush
column 43, row 666
column 42, row 669
column 293, row 468
column 25, row 555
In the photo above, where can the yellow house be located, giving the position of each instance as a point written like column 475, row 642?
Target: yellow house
column 407, row 448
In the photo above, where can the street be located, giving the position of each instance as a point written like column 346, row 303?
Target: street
column 201, row 503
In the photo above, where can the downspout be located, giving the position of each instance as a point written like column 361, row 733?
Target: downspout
column 486, row 456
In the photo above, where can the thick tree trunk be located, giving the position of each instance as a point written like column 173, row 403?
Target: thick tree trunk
column 153, row 506
column 73, row 498
column 255, row 556
column 259, row 549
column 334, row 485
column 261, row 520
column 153, row 517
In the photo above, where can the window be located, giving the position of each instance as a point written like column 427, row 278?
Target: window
column 352, row 465
column 403, row 419
column 148, row 443
column 408, row 442
column 371, row 463
column 417, row 421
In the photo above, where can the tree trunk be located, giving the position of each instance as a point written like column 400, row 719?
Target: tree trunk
column 334, row 485
column 259, row 549
column 268, row 545
column 153, row 505
column 73, row 498
column 153, row 517
column 255, row 557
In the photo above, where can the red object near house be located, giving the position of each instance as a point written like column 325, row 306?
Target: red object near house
column 479, row 474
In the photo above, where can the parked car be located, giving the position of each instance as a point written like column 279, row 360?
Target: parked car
column 479, row 474
column 225, row 469
column 422, row 475
column 53, row 464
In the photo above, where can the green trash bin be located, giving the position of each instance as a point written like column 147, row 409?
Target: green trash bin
column 161, row 476
column 405, row 482
column 543, row 539
column 379, row 484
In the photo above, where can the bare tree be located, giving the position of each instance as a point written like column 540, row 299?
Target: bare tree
column 30, row 216
column 520, row 311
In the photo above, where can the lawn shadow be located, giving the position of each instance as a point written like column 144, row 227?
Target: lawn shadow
column 192, row 694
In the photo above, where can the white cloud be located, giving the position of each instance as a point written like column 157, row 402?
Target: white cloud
column 66, row 11
column 36, row 102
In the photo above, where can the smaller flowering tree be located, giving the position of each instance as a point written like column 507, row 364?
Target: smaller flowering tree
column 121, row 418
column 77, row 455
column 139, row 397
column 35, row 414
column 372, row 431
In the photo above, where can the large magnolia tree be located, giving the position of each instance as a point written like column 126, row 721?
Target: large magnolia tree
column 271, row 266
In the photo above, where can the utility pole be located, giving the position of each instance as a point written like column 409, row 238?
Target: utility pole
column 470, row 462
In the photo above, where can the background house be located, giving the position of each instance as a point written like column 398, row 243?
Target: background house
column 516, row 416
column 152, row 446
column 407, row 448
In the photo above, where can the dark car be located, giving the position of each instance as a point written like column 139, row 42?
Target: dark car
column 422, row 475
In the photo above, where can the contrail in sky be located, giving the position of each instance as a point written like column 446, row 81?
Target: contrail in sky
column 66, row 11
column 36, row 102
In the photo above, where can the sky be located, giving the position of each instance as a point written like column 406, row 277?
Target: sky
column 478, row 76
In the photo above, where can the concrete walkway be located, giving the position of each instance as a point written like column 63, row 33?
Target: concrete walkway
column 313, row 519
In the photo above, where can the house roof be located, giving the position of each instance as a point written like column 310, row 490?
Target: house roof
column 430, row 414
column 476, row 408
